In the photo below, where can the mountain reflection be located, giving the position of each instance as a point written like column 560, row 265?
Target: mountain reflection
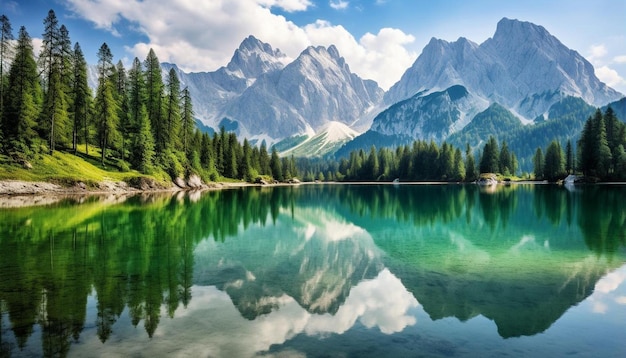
column 308, row 259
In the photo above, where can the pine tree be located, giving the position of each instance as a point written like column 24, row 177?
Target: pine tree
column 137, row 93
column 538, row 163
column 264, row 160
column 142, row 151
column 505, row 159
column 53, row 61
column 188, row 125
column 23, row 102
column 371, row 165
column 54, row 113
column 245, row 169
column 154, row 100
column 470, row 166
column 602, row 152
column 65, row 59
column 106, row 109
column 123, row 103
column 231, row 156
column 569, row 158
column 585, row 148
column 446, row 163
column 276, row 166
column 514, row 164
column 553, row 167
column 614, row 135
column 489, row 160
column 81, row 96
column 459, row 166
column 6, row 51
column 173, row 112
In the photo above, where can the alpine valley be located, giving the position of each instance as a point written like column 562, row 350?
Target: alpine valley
column 522, row 85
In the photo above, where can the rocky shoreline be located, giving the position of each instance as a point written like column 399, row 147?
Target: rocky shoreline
column 18, row 193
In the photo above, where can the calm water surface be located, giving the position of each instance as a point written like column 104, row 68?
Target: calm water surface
column 319, row 270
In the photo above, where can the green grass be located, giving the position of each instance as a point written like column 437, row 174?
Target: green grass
column 67, row 169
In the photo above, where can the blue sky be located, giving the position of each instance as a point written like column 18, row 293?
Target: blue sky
column 380, row 39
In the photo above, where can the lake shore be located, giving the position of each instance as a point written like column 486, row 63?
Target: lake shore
column 19, row 193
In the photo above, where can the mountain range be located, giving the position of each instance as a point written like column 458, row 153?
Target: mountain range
column 314, row 105
column 262, row 97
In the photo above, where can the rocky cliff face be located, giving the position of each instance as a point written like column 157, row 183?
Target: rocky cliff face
column 522, row 67
column 315, row 89
column 268, row 100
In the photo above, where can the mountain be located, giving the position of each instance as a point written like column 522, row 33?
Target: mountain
column 212, row 91
column 261, row 98
column 522, row 67
column 522, row 85
column 433, row 115
column 315, row 89
column 329, row 138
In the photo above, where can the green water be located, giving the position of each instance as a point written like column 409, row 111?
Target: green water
column 319, row 271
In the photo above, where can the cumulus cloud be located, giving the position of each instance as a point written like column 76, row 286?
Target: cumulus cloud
column 339, row 4
column 382, row 57
column 288, row 5
column 610, row 76
column 597, row 52
column 202, row 36
column 605, row 64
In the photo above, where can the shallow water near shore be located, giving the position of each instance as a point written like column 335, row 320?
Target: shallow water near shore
column 319, row 270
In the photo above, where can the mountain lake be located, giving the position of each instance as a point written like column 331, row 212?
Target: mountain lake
column 323, row 270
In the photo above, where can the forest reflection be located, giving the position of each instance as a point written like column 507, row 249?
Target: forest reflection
column 138, row 254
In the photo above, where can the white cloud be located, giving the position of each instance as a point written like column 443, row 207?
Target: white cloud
column 288, row 5
column 619, row 59
column 37, row 45
column 382, row 57
column 202, row 36
column 339, row 4
column 597, row 52
column 609, row 76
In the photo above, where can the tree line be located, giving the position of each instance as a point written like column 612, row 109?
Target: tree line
column 419, row 161
column 599, row 155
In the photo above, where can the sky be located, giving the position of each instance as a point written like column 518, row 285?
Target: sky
column 379, row 39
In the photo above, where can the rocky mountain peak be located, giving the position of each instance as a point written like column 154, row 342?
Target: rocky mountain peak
column 254, row 57
column 516, row 31
column 516, row 68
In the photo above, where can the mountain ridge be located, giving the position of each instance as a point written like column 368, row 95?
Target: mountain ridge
column 504, row 69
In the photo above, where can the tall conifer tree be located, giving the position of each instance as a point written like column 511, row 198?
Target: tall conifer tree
column 6, row 50
column 188, row 124
column 142, row 150
column 154, row 100
column 106, row 109
column 172, row 112
column 81, row 99
column 52, row 60
column 122, row 98
column 23, row 102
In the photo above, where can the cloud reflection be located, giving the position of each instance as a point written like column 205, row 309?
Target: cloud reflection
column 214, row 327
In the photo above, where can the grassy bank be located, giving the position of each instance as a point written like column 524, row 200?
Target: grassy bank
column 67, row 169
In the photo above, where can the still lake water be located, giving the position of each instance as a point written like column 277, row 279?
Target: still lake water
column 319, row 270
